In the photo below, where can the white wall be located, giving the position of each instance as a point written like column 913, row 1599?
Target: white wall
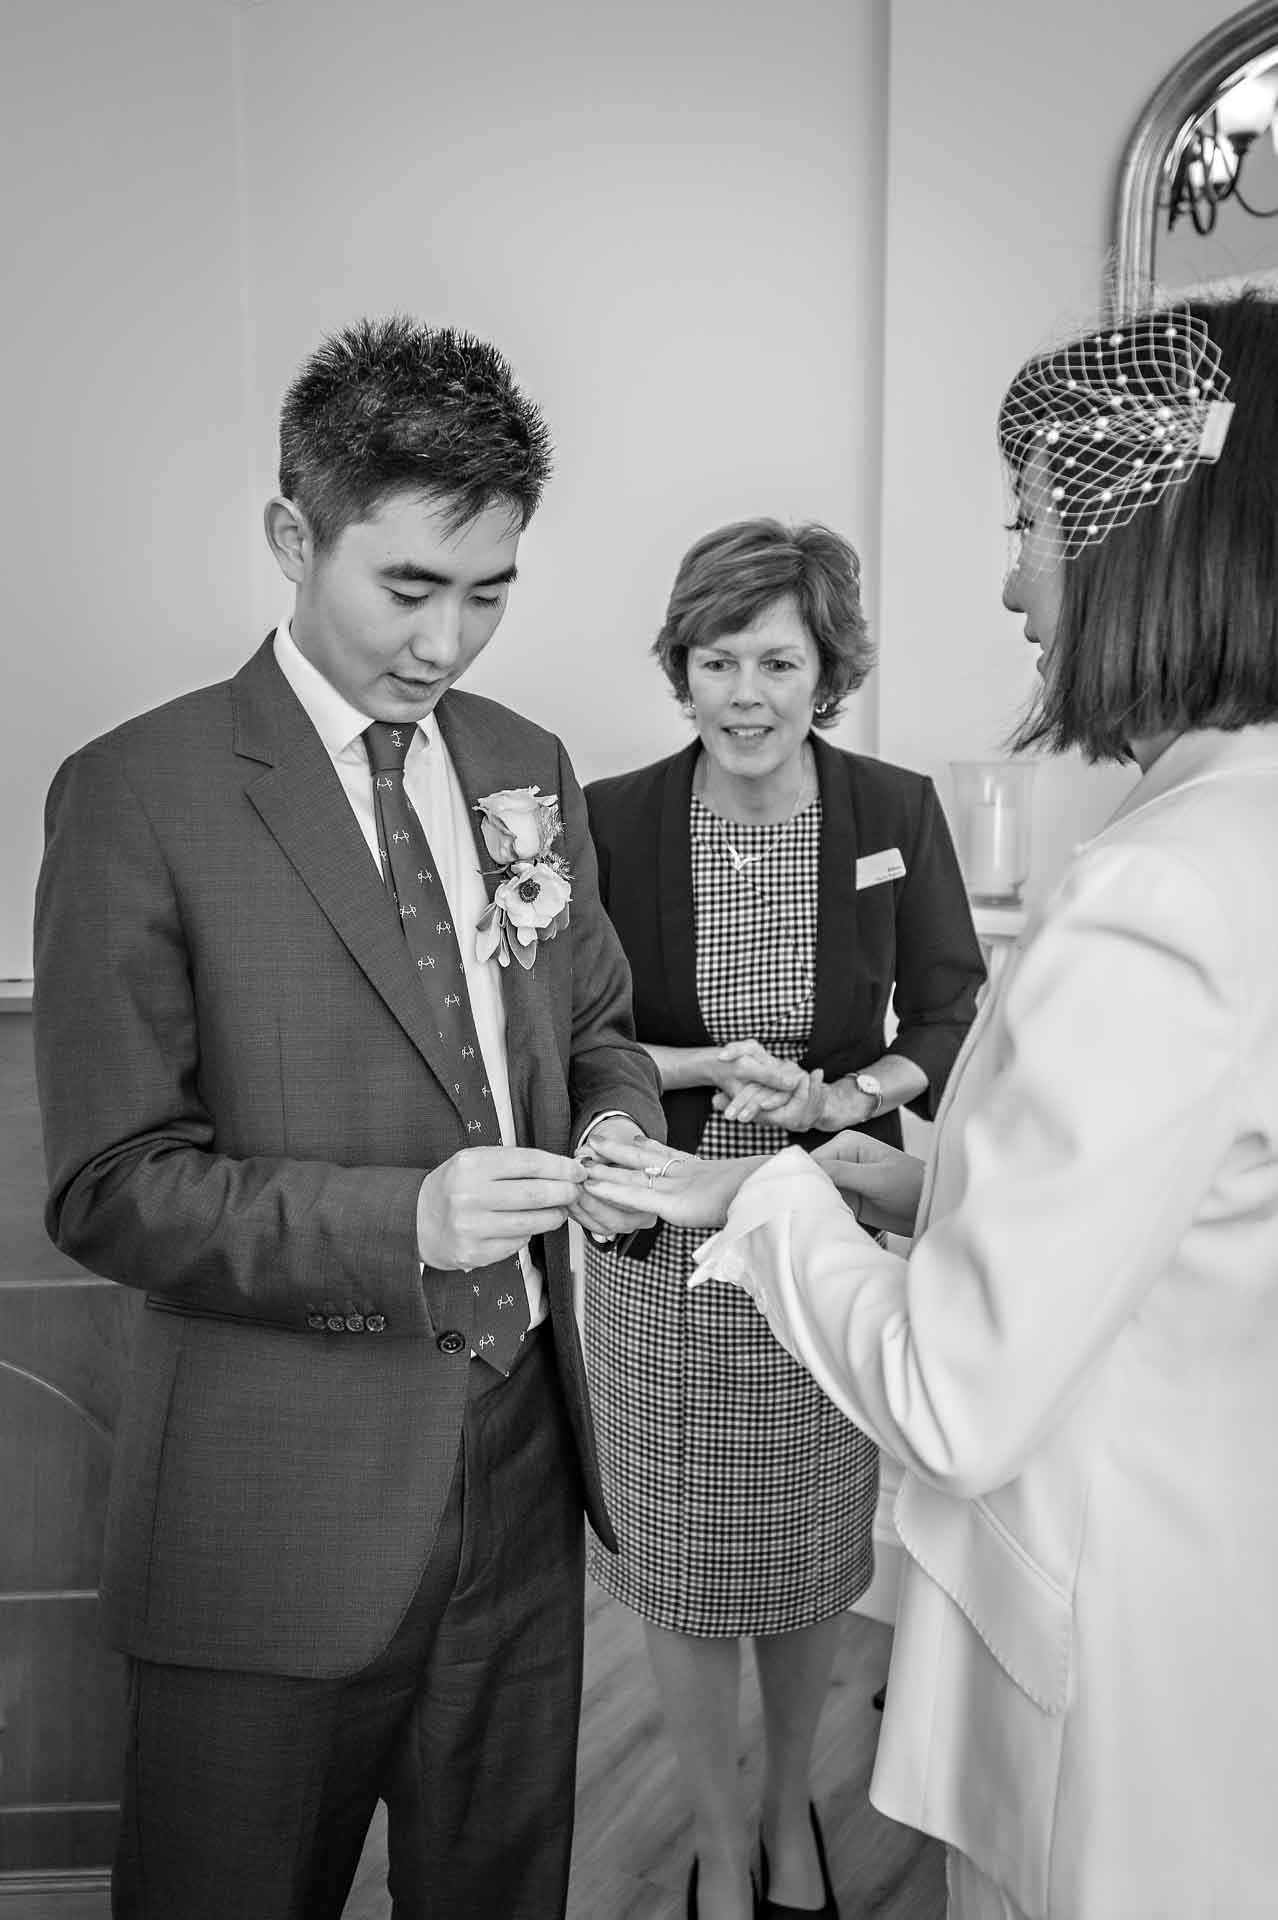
column 124, row 494
column 1007, row 123
column 669, row 216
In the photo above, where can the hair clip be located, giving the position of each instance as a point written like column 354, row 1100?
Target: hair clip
column 1216, row 418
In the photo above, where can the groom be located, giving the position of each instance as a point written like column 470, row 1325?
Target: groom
column 292, row 1097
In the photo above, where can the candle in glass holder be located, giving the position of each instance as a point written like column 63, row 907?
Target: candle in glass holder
column 993, row 827
column 991, row 849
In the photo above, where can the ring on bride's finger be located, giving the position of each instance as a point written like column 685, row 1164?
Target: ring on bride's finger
column 652, row 1175
column 666, row 1168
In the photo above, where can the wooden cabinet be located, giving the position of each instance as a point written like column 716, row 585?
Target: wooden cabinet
column 63, row 1351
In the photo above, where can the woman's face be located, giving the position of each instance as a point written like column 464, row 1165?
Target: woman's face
column 753, row 692
column 1036, row 584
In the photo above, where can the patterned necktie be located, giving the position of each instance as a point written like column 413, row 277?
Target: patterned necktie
column 408, row 868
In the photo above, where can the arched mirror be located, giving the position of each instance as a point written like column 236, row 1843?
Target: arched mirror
column 1197, row 199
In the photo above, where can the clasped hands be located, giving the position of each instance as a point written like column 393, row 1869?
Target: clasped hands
column 484, row 1203
column 753, row 1084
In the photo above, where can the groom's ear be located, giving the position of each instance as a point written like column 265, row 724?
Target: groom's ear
column 289, row 537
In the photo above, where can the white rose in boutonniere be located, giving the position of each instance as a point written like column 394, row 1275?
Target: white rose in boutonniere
column 520, row 823
column 520, row 826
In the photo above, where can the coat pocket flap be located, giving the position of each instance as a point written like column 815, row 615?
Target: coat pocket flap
column 1024, row 1618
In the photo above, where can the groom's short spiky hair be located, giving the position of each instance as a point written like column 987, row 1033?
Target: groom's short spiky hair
column 393, row 406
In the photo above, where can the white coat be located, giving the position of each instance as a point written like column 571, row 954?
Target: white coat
column 1078, row 1368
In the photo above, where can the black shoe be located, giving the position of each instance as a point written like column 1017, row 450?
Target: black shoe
column 771, row 1910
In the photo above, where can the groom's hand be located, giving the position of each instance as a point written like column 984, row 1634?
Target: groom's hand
column 600, row 1221
column 487, row 1202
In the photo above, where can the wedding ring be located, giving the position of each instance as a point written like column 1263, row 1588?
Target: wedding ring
column 666, row 1168
column 653, row 1174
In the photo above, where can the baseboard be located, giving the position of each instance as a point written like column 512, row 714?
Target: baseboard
column 69, row 1895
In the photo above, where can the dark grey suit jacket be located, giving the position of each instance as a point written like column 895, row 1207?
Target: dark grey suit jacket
column 242, row 1087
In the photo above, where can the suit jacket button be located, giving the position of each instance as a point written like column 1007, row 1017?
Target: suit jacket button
column 375, row 1322
column 451, row 1342
column 335, row 1323
column 354, row 1323
column 316, row 1322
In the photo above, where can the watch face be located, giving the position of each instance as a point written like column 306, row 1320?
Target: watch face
column 868, row 1084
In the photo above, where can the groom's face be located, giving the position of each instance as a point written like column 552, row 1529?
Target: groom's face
column 398, row 607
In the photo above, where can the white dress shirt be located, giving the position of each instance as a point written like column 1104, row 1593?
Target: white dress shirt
column 431, row 783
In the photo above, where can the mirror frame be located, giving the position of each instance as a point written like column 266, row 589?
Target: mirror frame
column 1159, row 134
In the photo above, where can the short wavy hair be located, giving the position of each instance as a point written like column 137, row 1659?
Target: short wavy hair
column 394, row 406
column 731, row 576
column 1170, row 623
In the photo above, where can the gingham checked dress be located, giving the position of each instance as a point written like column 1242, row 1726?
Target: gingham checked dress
column 743, row 1502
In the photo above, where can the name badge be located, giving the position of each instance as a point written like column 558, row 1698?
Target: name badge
column 873, row 868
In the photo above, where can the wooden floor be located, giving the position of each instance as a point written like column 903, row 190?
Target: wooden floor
column 631, row 1856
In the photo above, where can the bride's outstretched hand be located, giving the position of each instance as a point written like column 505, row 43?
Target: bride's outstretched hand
column 884, row 1184
column 644, row 1177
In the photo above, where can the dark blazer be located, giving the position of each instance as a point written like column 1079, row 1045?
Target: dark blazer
column 242, row 1089
column 914, row 934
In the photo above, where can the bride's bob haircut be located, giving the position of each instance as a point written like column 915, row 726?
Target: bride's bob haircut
column 1170, row 623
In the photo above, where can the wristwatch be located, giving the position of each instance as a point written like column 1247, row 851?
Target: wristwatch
column 868, row 1083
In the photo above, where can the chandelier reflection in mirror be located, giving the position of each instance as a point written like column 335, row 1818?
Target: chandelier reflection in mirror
column 1207, row 169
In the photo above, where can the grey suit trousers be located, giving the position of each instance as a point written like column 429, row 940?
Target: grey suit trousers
column 248, row 1796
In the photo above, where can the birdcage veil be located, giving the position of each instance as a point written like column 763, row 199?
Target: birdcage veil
column 1102, row 425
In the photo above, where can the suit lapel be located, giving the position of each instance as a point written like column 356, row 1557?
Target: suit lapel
column 674, row 891
column 836, row 943
column 301, row 801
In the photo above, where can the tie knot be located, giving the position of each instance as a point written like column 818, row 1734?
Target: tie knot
column 387, row 745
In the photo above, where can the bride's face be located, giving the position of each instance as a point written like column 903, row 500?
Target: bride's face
column 1036, row 584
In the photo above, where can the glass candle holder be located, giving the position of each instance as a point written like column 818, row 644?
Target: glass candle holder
column 992, row 827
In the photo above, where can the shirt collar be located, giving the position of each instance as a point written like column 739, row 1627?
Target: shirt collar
column 339, row 725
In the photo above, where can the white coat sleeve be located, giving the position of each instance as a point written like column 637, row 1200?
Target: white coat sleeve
column 1084, row 1162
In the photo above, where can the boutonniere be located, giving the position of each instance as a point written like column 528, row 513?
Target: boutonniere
column 520, row 826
